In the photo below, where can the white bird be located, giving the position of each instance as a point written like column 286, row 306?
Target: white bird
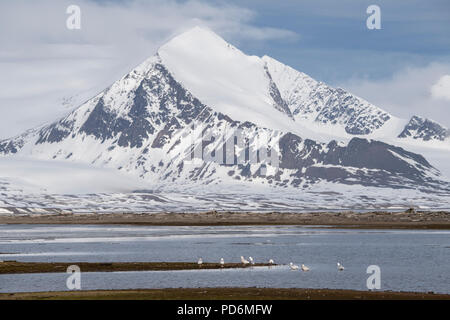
column 340, row 267
column 271, row 261
column 304, row 268
column 200, row 262
column 251, row 260
column 222, row 262
column 293, row 266
column 244, row 261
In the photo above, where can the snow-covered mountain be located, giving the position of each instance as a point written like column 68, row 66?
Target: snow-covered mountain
column 419, row 128
column 320, row 106
column 341, row 114
column 143, row 125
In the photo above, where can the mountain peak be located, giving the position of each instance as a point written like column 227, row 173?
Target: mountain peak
column 199, row 31
column 424, row 129
column 196, row 37
column 225, row 78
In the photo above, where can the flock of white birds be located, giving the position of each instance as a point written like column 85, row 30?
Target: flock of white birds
column 251, row 261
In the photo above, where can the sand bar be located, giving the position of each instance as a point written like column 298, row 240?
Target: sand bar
column 225, row 294
column 376, row 219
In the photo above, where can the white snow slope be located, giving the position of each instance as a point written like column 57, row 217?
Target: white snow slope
column 136, row 127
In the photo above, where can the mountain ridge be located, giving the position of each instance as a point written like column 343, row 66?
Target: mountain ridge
column 142, row 124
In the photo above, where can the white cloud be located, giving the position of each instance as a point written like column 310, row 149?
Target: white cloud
column 441, row 89
column 42, row 61
column 407, row 92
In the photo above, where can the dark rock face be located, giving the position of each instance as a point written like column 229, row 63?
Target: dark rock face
column 101, row 123
column 8, row 147
column 361, row 153
column 338, row 106
column 137, row 128
column 371, row 163
column 296, row 156
column 104, row 124
column 56, row 132
column 146, row 114
column 165, row 134
column 274, row 92
column 424, row 129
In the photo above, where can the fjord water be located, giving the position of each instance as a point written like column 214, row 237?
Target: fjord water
column 410, row 260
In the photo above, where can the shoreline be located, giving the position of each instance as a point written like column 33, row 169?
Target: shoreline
column 17, row 267
column 348, row 219
column 224, row 294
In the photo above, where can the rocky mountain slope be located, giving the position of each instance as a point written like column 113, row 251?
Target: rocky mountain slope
column 282, row 127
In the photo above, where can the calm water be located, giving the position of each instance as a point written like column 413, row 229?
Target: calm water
column 410, row 260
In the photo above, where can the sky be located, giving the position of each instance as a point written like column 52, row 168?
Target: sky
column 48, row 69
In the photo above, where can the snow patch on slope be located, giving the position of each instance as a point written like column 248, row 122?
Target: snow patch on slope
column 59, row 177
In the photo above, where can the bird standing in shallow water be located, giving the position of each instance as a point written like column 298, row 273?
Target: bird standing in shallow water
column 251, row 260
column 200, row 262
column 340, row 267
column 222, row 262
column 244, row 261
column 271, row 261
column 293, row 266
